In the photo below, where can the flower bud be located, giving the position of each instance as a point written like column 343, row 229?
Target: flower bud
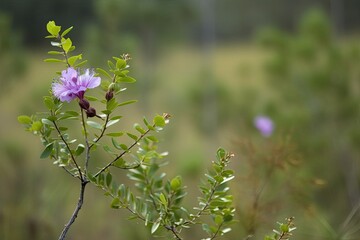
column 109, row 95
column 91, row 112
column 84, row 104
column 114, row 87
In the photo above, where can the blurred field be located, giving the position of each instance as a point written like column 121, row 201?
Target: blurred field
column 43, row 196
column 305, row 78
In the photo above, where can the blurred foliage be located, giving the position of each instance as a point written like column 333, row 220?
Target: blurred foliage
column 316, row 85
column 12, row 57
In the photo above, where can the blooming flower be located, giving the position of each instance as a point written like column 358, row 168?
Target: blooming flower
column 72, row 85
column 264, row 125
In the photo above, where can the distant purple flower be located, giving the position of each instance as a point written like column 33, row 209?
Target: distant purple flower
column 264, row 125
column 72, row 85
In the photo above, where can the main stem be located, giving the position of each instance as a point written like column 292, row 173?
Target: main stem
column 76, row 211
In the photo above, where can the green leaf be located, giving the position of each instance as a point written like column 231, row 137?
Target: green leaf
column 125, row 79
column 116, row 144
column 127, row 102
column 55, row 53
column 94, row 124
column 156, row 225
column 103, row 72
column 108, row 179
column 49, row 102
column 72, row 113
column 72, row 60
column 120, row 63
column 52, row 28
column 115, row 117
column 120, row 163
column 112, row 122
column 80, row 63
column 163, row 199
column 139, row 128
column 115, row 203
column 46, row 121
column 66, row 31
column 91, row 98
column 134, row 137
column 47, row 151
column 175, row 183
column 53, row 60
column 23, row 119
column 115, row 134
column 66, row 44
column 159, row 121
column 108, row 149
column 111, row 105
column 152, row 138
column 218, row 219
column 111, row 64
column 36, row 126
column 79, row 150
column 221, row 153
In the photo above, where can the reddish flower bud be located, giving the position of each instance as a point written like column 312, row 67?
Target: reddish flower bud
column 109, row 95
column 91, row 112
column 84, row 104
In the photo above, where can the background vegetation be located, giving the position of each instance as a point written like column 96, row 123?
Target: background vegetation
column 214, row 66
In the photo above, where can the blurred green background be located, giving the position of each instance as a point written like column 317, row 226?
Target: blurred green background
column 214, row 66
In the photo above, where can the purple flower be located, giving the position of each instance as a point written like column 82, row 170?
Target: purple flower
column 264, row 125
column 72, row 85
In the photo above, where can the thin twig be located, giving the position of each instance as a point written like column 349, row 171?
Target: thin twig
column 87, row 147
column 102, row 132
column 122, row 154
column 69, row 149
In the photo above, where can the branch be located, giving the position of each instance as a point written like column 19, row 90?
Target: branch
column 122, row 154
column 68, row 148
column 102, row 132
column 76, row 211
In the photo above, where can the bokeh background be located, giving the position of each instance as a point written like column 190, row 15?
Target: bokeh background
column 214, row 66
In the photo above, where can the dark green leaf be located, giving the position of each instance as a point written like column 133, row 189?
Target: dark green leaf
column 115, row 203
column 108, row 179
column 79, row 149
column 221, row 153
column 47, row 151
